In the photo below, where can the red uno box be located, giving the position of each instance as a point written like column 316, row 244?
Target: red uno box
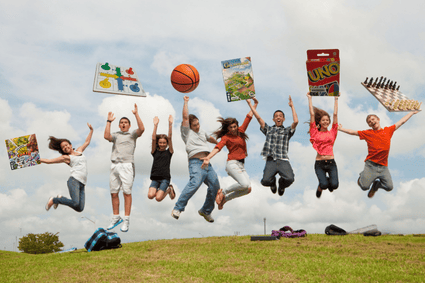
column 323, row 72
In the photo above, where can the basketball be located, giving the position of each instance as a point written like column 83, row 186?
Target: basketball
column 185, row 78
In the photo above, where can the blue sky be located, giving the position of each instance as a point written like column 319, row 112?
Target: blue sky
column 48, row 54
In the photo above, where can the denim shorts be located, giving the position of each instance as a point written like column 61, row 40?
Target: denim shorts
column 160, row 184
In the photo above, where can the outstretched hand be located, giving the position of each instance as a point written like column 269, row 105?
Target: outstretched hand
column 111, row 116
column 90, row 127
column 291, row 104
column 170, row 119
column 135, row 109
column 186, row 98
column 155, row 120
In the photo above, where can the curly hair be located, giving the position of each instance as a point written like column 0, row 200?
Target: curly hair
column 224, row 129
column 55, row 144
column 161, row 136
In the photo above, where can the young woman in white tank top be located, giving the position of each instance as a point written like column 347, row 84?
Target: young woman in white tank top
column 78, row 179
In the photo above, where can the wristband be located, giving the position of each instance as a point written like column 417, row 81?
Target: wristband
column 108, row 121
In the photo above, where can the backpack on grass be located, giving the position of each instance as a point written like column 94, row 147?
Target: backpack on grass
column 287, row 232
column 333, row 230
column 103, row 240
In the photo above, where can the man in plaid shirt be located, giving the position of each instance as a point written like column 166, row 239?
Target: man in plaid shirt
column 275, row 149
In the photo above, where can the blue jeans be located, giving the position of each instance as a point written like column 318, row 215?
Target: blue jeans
column 327, row 166
column 283, row 167
column 197, row 177
column 160, row 184
column 76, row 191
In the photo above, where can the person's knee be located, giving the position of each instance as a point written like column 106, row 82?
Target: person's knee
column 151, row 195
column 333, row 185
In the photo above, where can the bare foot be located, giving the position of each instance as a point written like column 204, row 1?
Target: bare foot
column 171, row 192
column 221, row 204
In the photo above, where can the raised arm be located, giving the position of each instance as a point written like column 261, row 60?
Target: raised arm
column 336, row 110
column 107, row 135
column 155, row 127
column 255, row 113
column 88, row 139
column 185, row 122
column 310, row 107
column 294, row 114
column 250, row 114
column 347, row 131
column 170, row 134
column 141, row 128
column 405, row 119
column 61, row 159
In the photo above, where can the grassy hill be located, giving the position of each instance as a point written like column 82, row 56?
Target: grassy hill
column 316, row 258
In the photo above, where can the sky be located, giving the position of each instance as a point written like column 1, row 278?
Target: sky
column 48, row 55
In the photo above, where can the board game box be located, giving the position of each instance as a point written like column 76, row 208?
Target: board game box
column 117, row 80
column 238, row 79
column 23, row 152
column 388, row 94
column 323, row 67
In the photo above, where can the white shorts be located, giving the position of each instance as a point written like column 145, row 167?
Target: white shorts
column 122, row 177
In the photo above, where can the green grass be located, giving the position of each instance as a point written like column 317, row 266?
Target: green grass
column 316, row 258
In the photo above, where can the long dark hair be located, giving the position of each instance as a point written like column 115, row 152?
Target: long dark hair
column 55, row 144
column 318, row 114
column 161, row 136
column 224, row 129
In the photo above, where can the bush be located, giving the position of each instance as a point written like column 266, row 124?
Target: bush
column 40, row 243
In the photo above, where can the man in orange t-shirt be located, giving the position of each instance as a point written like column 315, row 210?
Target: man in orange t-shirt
column 378, row 140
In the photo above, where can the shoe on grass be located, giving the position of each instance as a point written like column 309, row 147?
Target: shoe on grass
column 115, row 221
column 207, row 217
column 175, row 213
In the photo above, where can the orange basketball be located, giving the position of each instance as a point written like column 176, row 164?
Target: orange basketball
column 185, row 78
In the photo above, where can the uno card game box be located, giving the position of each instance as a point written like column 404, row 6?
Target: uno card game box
column 323, row 68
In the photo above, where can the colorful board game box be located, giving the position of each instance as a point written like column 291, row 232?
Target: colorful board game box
column 23, row 152
column 238, row 79
column 323, row 68
column 117, row 80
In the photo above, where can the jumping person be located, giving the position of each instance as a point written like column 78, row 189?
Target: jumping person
column 122, row 167
column 160, row 173
column 323, row 141
column 78, row 179
column 197, row 148
column 234, row 138
column 376, row 172
column 275, row 149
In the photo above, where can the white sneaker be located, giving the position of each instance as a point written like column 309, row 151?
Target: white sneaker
column 124, row 227
column 207, row 217
column 115, row 222
column 55, row 205
column 175, row 213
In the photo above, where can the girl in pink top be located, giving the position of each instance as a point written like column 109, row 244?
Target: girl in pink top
column 323, row 142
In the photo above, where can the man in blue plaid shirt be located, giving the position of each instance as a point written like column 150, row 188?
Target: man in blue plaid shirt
column 275, row 149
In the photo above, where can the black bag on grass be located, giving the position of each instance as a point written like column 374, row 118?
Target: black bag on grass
column 373, row 233
column 333, row 230
column 103, row 240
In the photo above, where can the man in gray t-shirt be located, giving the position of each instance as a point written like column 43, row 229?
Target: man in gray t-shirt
column 197, row 148
column 122, row 167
